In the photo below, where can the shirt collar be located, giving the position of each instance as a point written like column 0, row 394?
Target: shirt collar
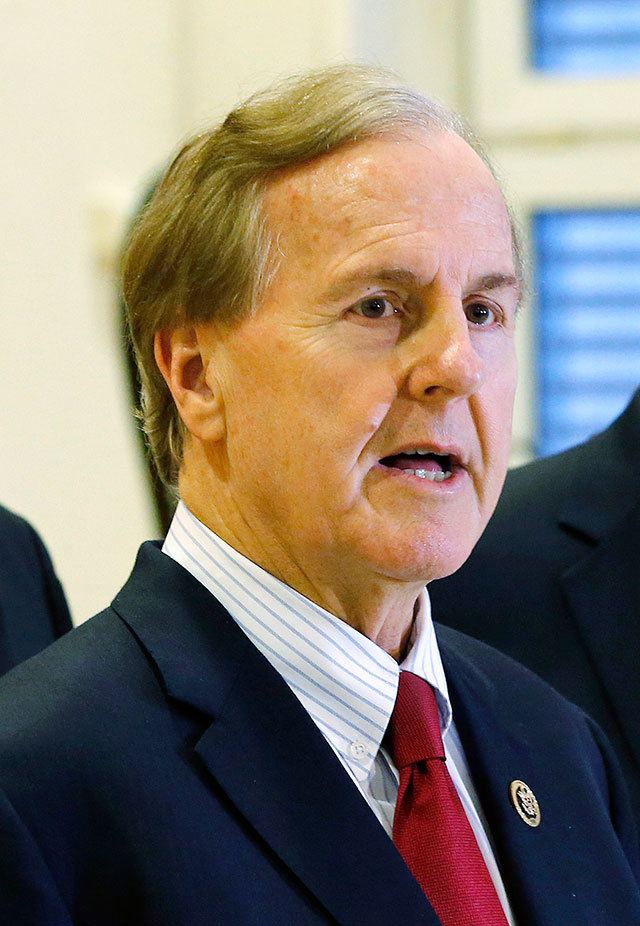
column 346, row 682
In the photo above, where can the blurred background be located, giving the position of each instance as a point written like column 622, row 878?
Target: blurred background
column 94, row 98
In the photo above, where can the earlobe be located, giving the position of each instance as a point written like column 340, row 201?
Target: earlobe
column 186, row 367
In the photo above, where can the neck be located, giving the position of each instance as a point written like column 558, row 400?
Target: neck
column 379, row 607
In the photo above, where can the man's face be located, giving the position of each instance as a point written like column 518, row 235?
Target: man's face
column 387, row 336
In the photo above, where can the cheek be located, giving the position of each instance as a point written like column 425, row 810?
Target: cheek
column 501, row 391
column 347, row 397
column 506, row 401
column 496, row 414
column 309, row 394
column 380, row 410
column 498, row 444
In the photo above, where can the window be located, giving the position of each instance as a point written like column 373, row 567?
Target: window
column 553, row 67
column 553, row 87
column 586, row 36
column 588, row 321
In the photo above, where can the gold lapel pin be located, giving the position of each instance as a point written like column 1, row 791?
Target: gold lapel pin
column 525, row 802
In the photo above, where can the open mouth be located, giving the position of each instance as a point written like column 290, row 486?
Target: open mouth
column 436, row 467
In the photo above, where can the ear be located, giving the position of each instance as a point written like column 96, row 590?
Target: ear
column 184, row 361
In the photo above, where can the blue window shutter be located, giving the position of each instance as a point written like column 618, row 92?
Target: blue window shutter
column 585, row 36
column 588, row 321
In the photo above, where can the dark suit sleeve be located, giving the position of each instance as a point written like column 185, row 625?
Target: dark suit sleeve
column 54, row 595
column 28, row 894
column 33, row 609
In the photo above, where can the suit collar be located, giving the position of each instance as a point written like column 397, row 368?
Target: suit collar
column 196, row 651
column 604, row 477
column 265, row 752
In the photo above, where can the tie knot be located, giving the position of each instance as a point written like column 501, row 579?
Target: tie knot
column 414, row 729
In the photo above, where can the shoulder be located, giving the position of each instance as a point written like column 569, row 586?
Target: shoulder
column 15, row 529
column 63, row 700
column 536, row 494
column 519, row 703
column 504, row 674
column 505, row 712
column 34, row 603
column 613, row 453
column 514, row 689
column 22, row 549
column 544, row 483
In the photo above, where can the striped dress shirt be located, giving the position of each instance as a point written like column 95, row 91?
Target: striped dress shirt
column 344, row 681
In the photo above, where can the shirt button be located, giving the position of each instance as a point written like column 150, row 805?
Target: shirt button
column 358, row 750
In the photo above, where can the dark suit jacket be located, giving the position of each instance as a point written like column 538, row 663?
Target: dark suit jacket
column 33, row 610
column 555, row 580
column 155, row 770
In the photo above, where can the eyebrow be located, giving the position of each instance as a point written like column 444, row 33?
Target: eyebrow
column 497, row 281
column 404, row 277
column 369, row 276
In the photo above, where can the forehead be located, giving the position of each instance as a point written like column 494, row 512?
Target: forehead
column 426, row 188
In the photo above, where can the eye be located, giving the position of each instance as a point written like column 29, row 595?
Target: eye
column 375, row 307
column 480, row 314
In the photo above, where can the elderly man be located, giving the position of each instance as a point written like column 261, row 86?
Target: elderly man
column 322, row 297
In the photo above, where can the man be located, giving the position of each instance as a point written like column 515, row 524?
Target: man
column 33, row 609
column 554, row 581
column 322, row 297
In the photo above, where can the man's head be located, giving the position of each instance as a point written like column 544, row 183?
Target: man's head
column 331, row 282
column 202, row 248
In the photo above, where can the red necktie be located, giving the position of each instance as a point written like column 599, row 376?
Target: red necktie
column 430, row 827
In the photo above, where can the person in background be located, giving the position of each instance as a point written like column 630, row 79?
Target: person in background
column 266, row 727
column 33, row 608
column 555, row 580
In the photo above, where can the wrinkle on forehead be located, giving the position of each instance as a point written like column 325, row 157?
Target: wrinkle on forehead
column 386, row 187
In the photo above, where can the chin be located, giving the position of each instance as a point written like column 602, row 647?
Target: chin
column 422, row 559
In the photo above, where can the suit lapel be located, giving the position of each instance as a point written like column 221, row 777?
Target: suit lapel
column 497, row 754
column 602, row 586
column 502, row 746
column 603, row 592
column 273, row 763
column 266, row 753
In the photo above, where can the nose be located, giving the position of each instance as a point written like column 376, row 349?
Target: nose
column 443, row 362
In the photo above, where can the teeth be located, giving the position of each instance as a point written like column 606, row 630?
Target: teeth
column 427, row 474
column 424, row 453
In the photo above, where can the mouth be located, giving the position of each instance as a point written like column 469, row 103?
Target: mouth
column 425, row 464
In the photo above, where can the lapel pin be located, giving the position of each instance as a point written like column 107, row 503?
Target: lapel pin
column 525, row 802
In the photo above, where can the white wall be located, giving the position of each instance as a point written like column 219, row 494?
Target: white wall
column 228, row 49
column 89, row 97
